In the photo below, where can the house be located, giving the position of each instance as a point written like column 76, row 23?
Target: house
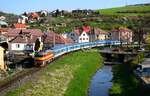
column 84, row 37
column 122, row 34
column 101, row 34
column 81, row 34
column 22, row 19
column 43, row 13
column 33, row 17
column 19, row 26
column 3, row 24
column 2, row 18
column 50, row 38
column 23, row 39
column 74, row 35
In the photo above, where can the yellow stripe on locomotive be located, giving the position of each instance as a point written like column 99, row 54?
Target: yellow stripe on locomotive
column 42, row 58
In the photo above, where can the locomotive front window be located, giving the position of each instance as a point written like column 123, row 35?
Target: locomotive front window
column 38, row 55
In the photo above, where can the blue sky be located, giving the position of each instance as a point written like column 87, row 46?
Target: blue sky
column 20, row 6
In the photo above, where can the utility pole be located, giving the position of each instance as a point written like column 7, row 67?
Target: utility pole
column 53, row 37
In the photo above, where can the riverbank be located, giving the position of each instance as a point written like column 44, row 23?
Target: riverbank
column 70, row 75
column 125, row 83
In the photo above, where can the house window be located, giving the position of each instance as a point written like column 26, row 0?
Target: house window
column 83, row 38
column 83, row 34
column 97, row 36
column 86, row 38
column 72, row 34
column 80, row 38
column 17, row 45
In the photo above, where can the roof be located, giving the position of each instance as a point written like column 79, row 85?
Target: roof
column 34, row 15
column 19, row 26
column 86, row 29
column 15, row 32
column 3, row 30
column 122, row 29
column 80, row 30
column 3, row 23
column 99, row 31
column 49, row 38
column 21, row 39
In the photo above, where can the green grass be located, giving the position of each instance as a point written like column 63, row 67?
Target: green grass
column 69, row 75
column 125, row 83
column 139, row 9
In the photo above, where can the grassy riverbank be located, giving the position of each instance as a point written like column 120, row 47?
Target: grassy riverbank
column 125, row 83
column 69, row 75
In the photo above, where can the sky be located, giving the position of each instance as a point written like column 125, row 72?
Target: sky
column 20, row 6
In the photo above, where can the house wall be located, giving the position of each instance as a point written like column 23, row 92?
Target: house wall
column 83, row 38
column 73, row 36
column 123, row 36
column 102, row 37
column 126, row 36
column 2, row 65
column 22, row 47
column 115, row 36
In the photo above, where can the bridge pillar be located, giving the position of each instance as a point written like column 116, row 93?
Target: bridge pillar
column 108, row 57
column 121, row 58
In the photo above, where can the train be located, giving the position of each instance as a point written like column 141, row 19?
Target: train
column 46, row 56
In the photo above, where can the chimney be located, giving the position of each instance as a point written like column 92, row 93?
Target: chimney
column 26, row 39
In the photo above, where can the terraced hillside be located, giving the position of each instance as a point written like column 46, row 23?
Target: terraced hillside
column 127, row 10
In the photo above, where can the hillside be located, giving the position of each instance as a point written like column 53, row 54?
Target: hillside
column 139, row 9
column 10, row 18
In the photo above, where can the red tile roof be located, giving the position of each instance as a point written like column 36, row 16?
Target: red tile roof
column 21, row 39
column 20, row 26
column 86, row 29
column 15, row 32
column 49, row 36
column 99, row 31
column 3, row 30
column 34, row 15
column 24, row 35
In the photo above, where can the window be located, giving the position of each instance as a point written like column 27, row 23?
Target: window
column 83, row 34
column 83, row 38
column 97, row 36
column 80, row 38
column 86, row 38
column 17, row 45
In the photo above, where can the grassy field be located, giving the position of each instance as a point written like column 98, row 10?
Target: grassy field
column 69, row 75
column 133, row 10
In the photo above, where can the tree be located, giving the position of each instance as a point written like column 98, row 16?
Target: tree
column 37, row 45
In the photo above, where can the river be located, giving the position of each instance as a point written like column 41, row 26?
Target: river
column 101, row 82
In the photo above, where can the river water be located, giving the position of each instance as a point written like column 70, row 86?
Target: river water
column 101, row 82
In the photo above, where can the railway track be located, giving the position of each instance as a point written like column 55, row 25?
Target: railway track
column 18, row 80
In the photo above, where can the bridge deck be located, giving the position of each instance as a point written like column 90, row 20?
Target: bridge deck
column 117, row 52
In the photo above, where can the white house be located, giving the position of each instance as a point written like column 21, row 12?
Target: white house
column 23, row 39
column 84, row 37
column 44, row 13
column 2, row 18
column 22, row 19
